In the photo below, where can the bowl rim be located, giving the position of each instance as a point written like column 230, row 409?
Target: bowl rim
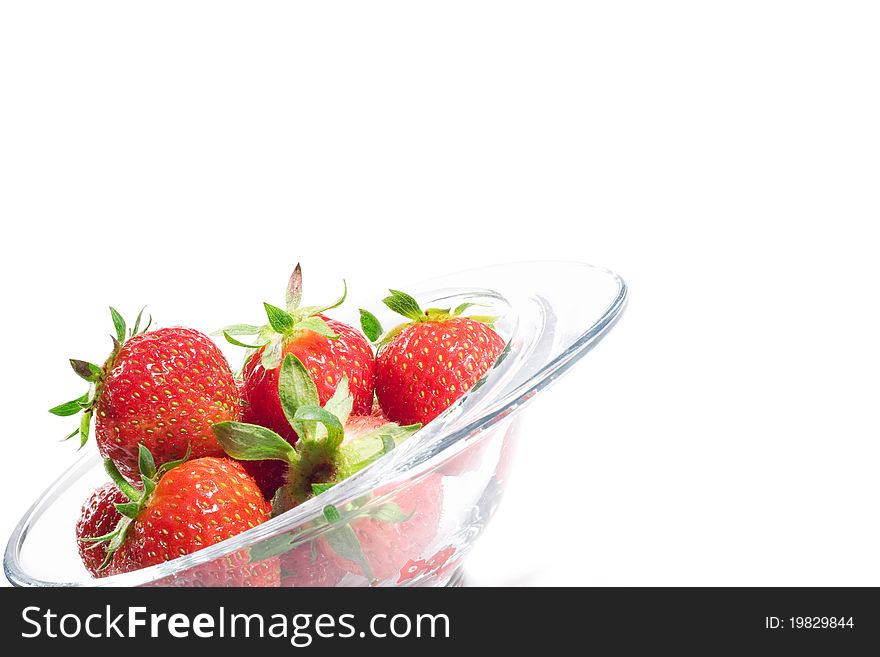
column 412, row 458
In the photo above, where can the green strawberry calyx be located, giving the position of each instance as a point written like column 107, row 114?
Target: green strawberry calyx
column 340, row 536
column 283, row 324
column 406, row 305
column 94, row 375
column 138, row 498
column 320, row 459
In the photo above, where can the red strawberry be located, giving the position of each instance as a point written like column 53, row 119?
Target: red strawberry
column 233, row 570
column 163, row 389
column 426, row 365
column 329, row 349
column 327, row 361
column 309, row 565
column 268, row 475
column 358, row 425
column 324, row 454
column 187, row 506
column 98, row 517
column 376, row 542
column 392, row 534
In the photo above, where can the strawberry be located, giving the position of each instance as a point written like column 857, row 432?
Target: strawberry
column 391, row 534
column 309, row 565
column 329, row 349
column 185, row 506
column 359, row 424
column 374, row 540
column 162, row 388
column 97, row 518
column 327, row 359
column 232, row 570
column 268, row 475
column 332, row 446
column 426, row 364
column 324, row 454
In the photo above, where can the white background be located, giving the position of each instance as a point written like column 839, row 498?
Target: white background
column 723, row 157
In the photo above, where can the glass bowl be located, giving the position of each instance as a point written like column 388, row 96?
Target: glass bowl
column 411, row 517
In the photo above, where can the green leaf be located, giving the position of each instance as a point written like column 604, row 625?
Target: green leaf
column 118, row 323
column 137, row 321
column 146, row 464
column 278, row 545
column 335, row 432
column 437, row 313
column 293, row 295
column 72, row 407
column 279, row 320
column 170, row 465
column 485, row 319
column 344, row 542
column 295, row 388
column 370, row 325
column 317, row 325
column 99, row 539
column 404, row 304
column 129, row 509
column 331, row 513
column 250, row 442
column 390, row 512
column 342, row 402
column 86, row 370
column 119, row 538
column 85, row 422
column 149, row 486
column 237, row 343
column 461, row 308
column 70, row 435
column 116, row 542
column 121, row 482
column 364, row 450
column 390, row 335
column 239, row 329
column 271, row 357
column 320, row 309
column 317, row 489
column 361, row 501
